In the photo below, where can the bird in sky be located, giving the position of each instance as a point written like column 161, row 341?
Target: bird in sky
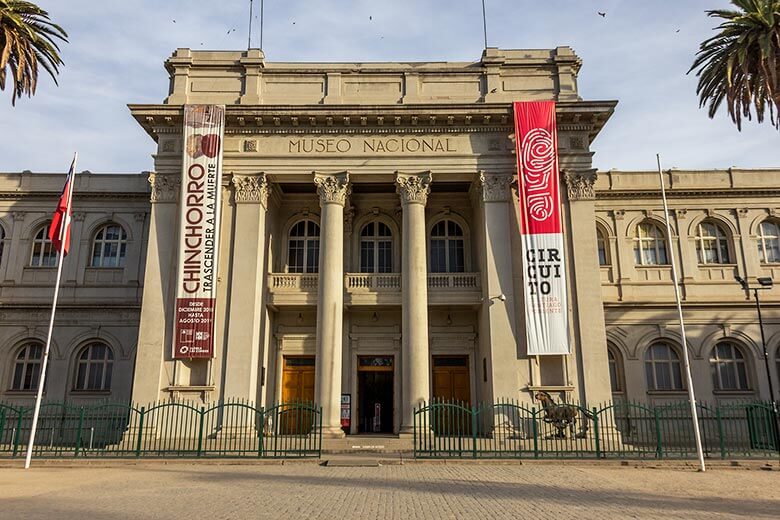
column 174, row 21
column 370, row 18
column 603, row 15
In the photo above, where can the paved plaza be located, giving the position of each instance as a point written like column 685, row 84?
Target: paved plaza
column 411, row 491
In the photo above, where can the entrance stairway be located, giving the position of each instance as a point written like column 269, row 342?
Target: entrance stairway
column 389, row 446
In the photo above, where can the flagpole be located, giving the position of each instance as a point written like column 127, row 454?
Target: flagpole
column 484, row 23
column 42, row 378
column 686, row 360
column 249, row 42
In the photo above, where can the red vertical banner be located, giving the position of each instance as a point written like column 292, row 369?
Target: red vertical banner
column 201, row 193
column 546, row 302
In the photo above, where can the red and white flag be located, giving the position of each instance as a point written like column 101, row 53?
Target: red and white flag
column 59, row 230
column 546, row 303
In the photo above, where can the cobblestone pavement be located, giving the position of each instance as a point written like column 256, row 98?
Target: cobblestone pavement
column 414, row 491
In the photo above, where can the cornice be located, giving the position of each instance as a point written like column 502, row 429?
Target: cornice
column 573, row 116
column 49, row 195
column 692, row 193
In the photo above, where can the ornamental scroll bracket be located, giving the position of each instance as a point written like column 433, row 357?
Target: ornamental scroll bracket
column 333, row 188
column 253, row 189
column 580, row 184
column 413, row 187
column 165, row 188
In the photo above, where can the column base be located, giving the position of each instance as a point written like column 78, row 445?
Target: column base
column 332, row 432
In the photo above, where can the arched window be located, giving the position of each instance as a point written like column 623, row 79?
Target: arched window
column 27, row 367
column 43, row 253
column 601, row 245
column 447, row 248
column 109, row 246
column 650, row 245
column 662, row 368
column 376, row 248
column 303, row 250
column 712, row 244
column 615, row 369
column 729, row 368
column 94, row 367
column 769, row 242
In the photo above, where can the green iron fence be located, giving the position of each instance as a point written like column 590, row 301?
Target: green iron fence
column 451, row 429
column 164, row 429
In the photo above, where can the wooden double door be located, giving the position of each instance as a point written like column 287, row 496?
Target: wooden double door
column 294, row 415
column 452, row 388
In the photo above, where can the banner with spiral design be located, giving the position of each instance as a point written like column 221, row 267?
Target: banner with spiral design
column 546, row 303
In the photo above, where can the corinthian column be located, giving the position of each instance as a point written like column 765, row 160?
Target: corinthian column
column 415, row 385
column 333, row 190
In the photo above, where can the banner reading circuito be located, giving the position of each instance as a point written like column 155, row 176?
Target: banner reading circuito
column 540, row 225
column 201, row 192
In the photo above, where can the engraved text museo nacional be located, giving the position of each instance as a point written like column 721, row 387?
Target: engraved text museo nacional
column 371, row 145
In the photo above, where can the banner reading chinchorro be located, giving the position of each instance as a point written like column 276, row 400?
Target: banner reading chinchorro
column 196, row 291
column 545, row 276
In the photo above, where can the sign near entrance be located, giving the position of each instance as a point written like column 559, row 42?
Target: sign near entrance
column 346, row 407
column 201, row 192
column 540, row 213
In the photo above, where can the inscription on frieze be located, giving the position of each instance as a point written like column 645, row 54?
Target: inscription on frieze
column 377, row 145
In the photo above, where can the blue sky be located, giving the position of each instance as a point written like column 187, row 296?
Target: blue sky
column 634, row 55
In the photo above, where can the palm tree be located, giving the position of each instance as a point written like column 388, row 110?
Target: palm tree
column 27, row 41
column 741, row 64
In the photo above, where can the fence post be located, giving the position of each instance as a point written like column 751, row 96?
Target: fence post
column 415, row 418
column 535, row 432
column 474, row 432
column 200, row 429
column 598, row 435
column 2, row 423
column 18, row 431
column 720, row 433
column 319, row 446
column 78, row 433
column 658, row 446
column 140, row 432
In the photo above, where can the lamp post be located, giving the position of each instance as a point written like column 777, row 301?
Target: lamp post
column 764, row 283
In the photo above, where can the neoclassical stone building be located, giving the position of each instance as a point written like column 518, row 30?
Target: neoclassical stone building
column 370, row 251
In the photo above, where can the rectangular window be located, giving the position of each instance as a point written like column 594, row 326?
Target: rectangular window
column 366, row 257
column 438, row 257
column 385, row 257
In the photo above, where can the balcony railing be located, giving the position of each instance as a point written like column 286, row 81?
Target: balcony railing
column 293, row 282
column 369, row 282
column 456, row 281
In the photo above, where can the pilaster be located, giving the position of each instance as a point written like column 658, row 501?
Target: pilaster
column 245, row 321
column 154, row 332
column 587, row 317
column 497, row 315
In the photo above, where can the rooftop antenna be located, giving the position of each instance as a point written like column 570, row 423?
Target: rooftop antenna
column 249, row 42
column 484, row 23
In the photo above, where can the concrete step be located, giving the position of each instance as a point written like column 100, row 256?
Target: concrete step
column 368, row 443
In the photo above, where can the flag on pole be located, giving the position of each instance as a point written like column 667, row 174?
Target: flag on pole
column 59, row 230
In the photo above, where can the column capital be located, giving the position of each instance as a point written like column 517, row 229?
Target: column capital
column 252, row 189
column 495, row 187
column 413, row 187
column 333, row 188
column 580, row 184
column 165, row 188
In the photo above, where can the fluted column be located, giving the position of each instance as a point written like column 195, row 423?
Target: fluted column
column 333, row 190
column 242, row 351
column 415, row 383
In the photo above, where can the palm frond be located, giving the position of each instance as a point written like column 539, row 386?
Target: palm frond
column 28, row 42
column 739, row 64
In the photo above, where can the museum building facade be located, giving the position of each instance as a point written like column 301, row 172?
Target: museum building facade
column 370, row 253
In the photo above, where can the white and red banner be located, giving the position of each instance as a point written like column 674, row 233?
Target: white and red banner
column 546, row 304
column 201, row 193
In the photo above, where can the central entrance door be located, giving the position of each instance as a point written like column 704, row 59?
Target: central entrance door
column 375, row 394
